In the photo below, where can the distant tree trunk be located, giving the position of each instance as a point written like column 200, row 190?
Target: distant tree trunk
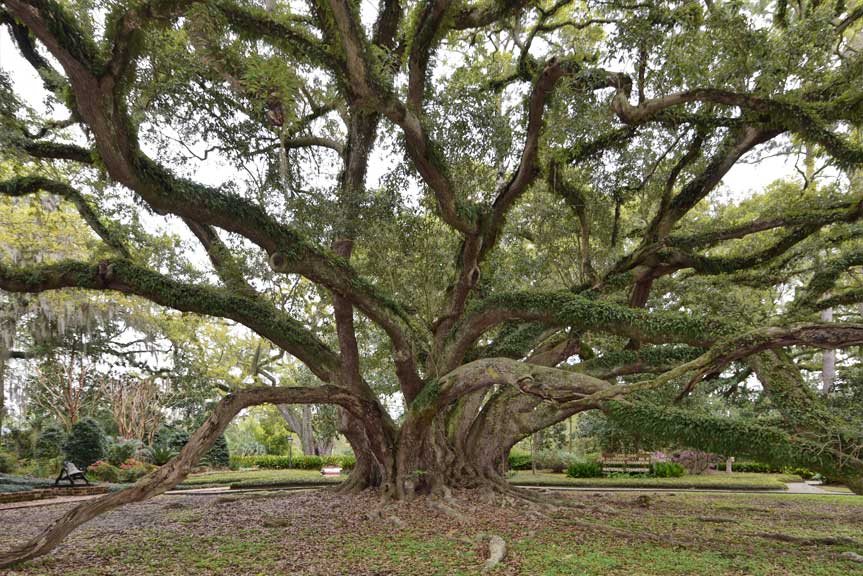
column 828, row 370
column 299, row 420
column 4, row 357
column 7, row 335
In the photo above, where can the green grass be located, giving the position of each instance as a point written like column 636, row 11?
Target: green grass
column 733, row 481
column 258, row 478
column 287, row 478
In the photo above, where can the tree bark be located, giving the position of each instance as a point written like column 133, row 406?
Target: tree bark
column 7, row 339
column 828, row 367
column 301, row 425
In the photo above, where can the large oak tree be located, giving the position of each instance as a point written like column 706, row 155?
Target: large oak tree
column 533, row 247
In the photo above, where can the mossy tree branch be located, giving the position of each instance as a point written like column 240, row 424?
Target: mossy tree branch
column 583, row 314
column 25, row 185
column 118, row 149
column 124, row 276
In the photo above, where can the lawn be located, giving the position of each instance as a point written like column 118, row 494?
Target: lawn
column 722, row 481
column 247, row 479
column 278, row 478
column 258, row 478
column 611, row 534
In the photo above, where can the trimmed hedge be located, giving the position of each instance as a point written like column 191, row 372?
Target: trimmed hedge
column 584, row 470
column 300, row 462
column 667, row 470
column 757, row 467
column 761, row 468
column 519, row 461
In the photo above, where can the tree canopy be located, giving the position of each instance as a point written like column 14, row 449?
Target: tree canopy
column 501, row 213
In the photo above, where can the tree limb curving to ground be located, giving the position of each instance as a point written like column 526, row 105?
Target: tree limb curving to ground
column 515, row 207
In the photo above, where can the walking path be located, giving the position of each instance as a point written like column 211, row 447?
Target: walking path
column 46, row 501
column 793, row 488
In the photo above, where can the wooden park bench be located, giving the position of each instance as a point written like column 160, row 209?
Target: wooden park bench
column 331, row 471
column 639, row 462
column 71, row 473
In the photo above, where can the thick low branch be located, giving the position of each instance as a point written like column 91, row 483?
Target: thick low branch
column 54, row 150
column 825, row 278
column 819, row 217
column 568, row 309
column 25, row 185
column 126, row 277
column 551, row 384
column 227, row 267
column 828, row 336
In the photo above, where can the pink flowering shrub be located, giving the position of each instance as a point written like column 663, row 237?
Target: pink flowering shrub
column 695, row 461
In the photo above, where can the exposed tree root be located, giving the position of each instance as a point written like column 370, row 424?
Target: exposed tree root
column 600, row 527
column 809, row 541
column 852, row 556
column 448, row 510
column 718, row 520
column 380, row 514
column 496, row 553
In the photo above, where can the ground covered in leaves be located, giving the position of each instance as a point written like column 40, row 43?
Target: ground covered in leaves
column 322, row 533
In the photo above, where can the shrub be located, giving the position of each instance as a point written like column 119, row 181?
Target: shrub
column 161, row 454
column 131, row 470
column 666, row 470
column 174, row 438
column 299, row 462
column 758, row 467
column 42, row 468
column 85, row 444
column 217, row 456
column 50, row 443
column 104, row 471
column 20, row 441
column 121, row 450
column 7, row 463
column 554, row 460
column 804, row 473
column 519, row 461
column 584, row 470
